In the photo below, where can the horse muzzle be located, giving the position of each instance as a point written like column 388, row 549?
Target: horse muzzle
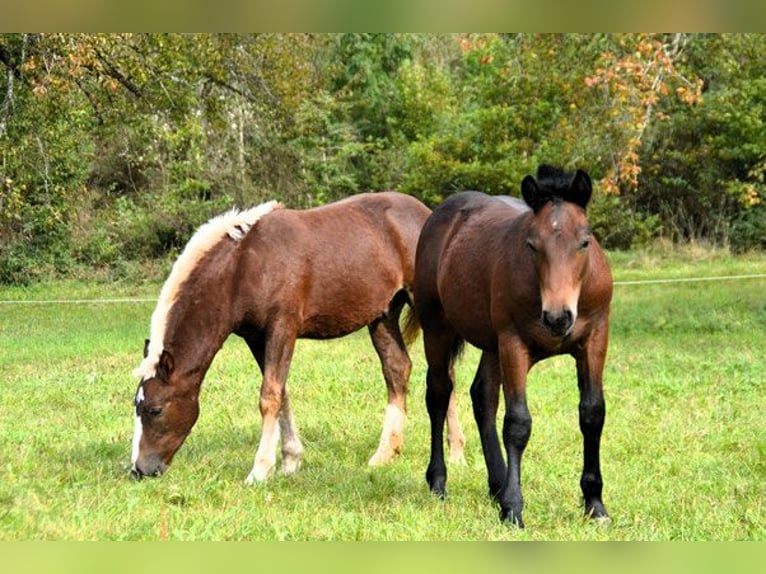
column 559, row 324
column 155, row 468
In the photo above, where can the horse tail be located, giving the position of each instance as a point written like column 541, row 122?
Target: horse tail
column 411, row 326
column 458, row 346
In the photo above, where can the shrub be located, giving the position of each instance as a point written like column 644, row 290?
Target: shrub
column 748, row 231
column 617, row 225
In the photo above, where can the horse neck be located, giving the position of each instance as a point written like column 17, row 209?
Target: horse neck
column 200, row 320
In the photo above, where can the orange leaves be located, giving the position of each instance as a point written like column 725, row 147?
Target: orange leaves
column 634, row 83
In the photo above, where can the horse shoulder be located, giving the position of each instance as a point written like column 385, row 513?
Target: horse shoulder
column 598, row 285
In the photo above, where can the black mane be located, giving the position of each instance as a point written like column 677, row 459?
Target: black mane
column 553, row 180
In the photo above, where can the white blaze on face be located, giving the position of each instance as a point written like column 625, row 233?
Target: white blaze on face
column 137, row 427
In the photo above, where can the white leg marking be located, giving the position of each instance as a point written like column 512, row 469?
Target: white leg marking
column 266, row 455
column 392, row 437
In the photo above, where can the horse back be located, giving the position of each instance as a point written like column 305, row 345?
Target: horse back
column 333, row 269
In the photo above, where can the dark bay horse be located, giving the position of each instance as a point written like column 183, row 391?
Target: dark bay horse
column 522, row 282
column 272, row 275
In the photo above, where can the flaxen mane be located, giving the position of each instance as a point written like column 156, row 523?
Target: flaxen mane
column 235, row 224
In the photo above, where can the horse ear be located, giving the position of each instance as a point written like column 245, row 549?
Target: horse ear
column 581, row 189
column 165, row 365
column 146, row 348
column 529, row 191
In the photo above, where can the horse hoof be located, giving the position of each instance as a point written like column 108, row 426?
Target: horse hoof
column 601, row 521
column 457, row 457
column 382, row 457
column 597, row 512
column 508, row 516
column 438, row 487
column 289, row 466
column 259, row 474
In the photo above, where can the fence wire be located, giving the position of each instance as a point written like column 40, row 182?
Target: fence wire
column 668, row 280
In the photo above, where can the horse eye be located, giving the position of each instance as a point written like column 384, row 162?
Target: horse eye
column 584, row 243
column 531, row 245
column 154, row 411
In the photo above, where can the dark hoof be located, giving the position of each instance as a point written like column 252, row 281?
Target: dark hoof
column 439, row 488
column 508, row 516
column 597, row 512
column 437, row 483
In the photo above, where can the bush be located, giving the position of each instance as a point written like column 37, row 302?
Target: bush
column 153, row 227
column 617, row 226
column 748, row 231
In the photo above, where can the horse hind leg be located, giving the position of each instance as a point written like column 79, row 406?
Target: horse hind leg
column 455, row 435
column 396, row 365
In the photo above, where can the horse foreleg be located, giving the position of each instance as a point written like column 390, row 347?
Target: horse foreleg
column 396, row 365
column 485, row 392
column 278, row 353
column 517, row 426
column 592, row 410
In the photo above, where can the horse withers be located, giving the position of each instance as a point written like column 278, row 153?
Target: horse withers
column 522, row 281
column 272, row 275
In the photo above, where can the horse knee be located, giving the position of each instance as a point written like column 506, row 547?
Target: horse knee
column 592, row 415
column 517, row 428
column 438, row 389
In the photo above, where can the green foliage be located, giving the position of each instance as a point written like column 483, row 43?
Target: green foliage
column 152, row 230
column 617, row 226
column 114, row 146
column 748, row 230
column 704, row 167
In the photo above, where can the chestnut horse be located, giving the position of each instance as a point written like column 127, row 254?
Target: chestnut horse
column 521, row 282
column 272, row 275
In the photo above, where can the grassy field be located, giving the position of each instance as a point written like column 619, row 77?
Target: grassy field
column 683, row 452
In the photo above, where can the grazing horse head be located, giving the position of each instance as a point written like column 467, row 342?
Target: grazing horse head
column 187, row 329
column 165, row 414
column 559, row 238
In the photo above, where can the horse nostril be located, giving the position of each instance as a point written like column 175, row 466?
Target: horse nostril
column 558, row 323
column 136, row 474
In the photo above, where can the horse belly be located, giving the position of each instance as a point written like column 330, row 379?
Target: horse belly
column 340, row 316
column 346, row 303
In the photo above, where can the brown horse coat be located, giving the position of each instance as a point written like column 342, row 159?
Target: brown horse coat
column 521, row 282
column 271, row 278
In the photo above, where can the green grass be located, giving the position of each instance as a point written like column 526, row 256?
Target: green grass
column 683, row 452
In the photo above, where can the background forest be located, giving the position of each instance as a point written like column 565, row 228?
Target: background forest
column 115, row 147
